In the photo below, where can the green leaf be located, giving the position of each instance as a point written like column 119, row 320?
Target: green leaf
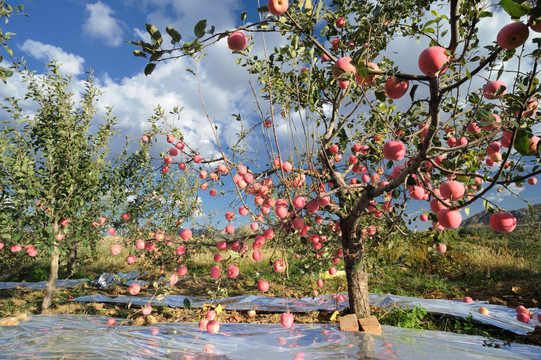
column 187, row 303
column 139, row 53
column 9, row 51
column 522, row 141
column 380, row 95
column 199, row 29
column 175, row 35
column 149, row 68
column 513, row 8
column 154, row 34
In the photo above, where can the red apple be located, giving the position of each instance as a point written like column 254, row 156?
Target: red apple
column 396, row 88
column 279, row 266
column 340, row 22
column 287, row 319
column 417, row 192
column 263, row 285
column 452, row 190
column 394, row 150
column 213, row 326
column 116, row 249
column 237, row 41
column 186, row 234
column 146, row 310
column 182, row 270
column 432, row 60
column 491, row 87
column 441, row 248
column 344, row 64
column 203, row 324
column 513, row 35
column 523, row 317
column 503, row 222
column 370, row 78
column 211, row 315
column 232, row 271
column 449, row 219
column 277, row 7
column 215, row 272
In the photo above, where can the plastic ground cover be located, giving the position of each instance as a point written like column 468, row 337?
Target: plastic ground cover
column 499, row 316
column 80, row 336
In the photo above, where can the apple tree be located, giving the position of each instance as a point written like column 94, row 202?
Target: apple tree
column 372, row 138
column 150, row 198
column 6, row 10
column 53, row 169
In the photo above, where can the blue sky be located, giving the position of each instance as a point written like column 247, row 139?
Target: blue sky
column 92, row 34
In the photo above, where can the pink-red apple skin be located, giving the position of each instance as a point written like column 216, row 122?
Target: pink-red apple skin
column 394, row 150
column 287, row 320
column 263, row 285
column 452, row 190
column 237, row 41
column 449, row 219
column 432, row 60
column 344, row 64
column 213, row 326
column 134, row 288
column 441, row 248
column 523, row 317
column 513, row 35
column 503, row 222
column 370, row 78
column 491, row 87
column 396, row 88
column 278, row 7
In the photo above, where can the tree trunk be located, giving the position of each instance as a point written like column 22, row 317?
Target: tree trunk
column 72, row 258
column 53, row 275
column 357, row 286
column 355, row 266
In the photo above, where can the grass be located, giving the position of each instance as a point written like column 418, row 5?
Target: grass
column 499, row 268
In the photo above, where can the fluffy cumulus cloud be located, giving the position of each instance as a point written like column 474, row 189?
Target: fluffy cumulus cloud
column 101, row 25
column 169, row 86
column 71, row 64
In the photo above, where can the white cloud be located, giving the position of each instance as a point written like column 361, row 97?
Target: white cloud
column 101, row 25
column 71, row 64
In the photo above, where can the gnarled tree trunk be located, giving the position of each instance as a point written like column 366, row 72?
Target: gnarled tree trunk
column 53, row 275
column 355, row 266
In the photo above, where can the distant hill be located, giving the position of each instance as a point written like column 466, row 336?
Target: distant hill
column 524, row 216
